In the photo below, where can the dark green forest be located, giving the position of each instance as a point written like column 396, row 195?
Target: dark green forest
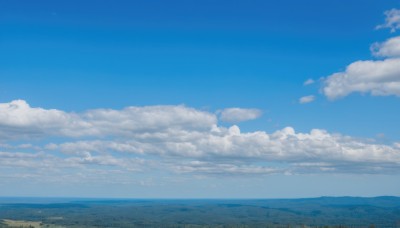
column 313, row 212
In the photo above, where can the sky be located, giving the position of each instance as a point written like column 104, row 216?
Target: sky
column 199, row 99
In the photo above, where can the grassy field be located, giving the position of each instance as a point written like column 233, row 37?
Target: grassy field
column 27, row 224
column 21, row 223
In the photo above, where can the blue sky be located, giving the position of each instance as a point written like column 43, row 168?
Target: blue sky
column 194, row 73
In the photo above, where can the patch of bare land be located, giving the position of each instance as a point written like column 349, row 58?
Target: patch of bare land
column 27, row 224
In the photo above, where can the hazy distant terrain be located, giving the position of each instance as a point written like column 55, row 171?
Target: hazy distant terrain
column 315, row 212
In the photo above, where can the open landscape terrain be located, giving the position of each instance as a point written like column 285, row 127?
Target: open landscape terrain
column 199, row 114
column 313, row 212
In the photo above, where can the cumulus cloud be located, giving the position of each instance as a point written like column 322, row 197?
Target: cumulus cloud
column 389, row 48
column 379, row 78
column 235, row 115
column 392, row 20
column 375, row 77
column 18, row 120
column 230, row 149
column 306, row 99
column 177, row 139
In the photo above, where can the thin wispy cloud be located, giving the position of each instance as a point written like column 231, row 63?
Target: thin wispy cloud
column 392, row 20
column 306, row 99
column 308, row 82
column 236, row 115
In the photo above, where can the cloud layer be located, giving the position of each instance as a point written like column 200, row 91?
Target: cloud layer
column 175, row 139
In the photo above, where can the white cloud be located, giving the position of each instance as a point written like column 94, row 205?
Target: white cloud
column 389, row 48
column 209, row 168
column 379, row 78
column 176, row 139
column 235, row 115
column 336, row 153
column 19, row 120
column 375, row 77
column 308, row 82
column 306, row 99
column 392, row 20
